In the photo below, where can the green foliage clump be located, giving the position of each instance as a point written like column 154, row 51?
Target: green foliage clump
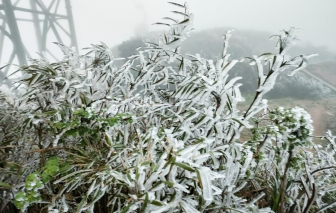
column 35, row 182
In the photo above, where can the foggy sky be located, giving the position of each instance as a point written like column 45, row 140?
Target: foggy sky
column 113, row 21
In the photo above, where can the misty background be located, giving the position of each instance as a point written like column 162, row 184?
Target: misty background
column 115, row 21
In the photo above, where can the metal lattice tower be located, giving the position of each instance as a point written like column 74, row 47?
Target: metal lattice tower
column 25, row 22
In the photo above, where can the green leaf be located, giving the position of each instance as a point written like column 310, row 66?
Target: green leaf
column 145, row 163
column 13, row 166
column 82, row 113
column 71, row 132
column 50, row 112
column 156, row 203
column 124, row 210
column 45, row 178
column 59, row 125
column 171, row 184
column 119, row 146
column 5, row 185
column 33, row 196
column 184, row 166
column 108, row 139
column 33, row 79
column 160, row 23
column 173, row 196
column 81, row 204
column 112, row 121
column 31, row 180
column 145, row 202
column 52, row 170
column 238, row 121
column 177, row 12
column 21, row 200
column 64, row 168
column 21, row 195
column 82, row 130
column 170, row 161
column 176, row 4
column 53, row 161
column 199, row 178
column 228, row 103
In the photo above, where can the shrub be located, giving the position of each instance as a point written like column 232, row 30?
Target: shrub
column 159, row 134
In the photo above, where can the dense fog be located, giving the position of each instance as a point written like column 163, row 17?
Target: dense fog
column 115, row 21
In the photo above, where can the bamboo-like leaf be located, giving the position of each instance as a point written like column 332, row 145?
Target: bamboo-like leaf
column 145, row 202
column 82, row 204
column 5, row 185
column 160, row 23
column 177, row 12
column 176, row 4
column 184, row 166
column 124, row 210
column 156, row 203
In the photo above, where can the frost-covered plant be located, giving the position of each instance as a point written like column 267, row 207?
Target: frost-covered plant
column 160, row 134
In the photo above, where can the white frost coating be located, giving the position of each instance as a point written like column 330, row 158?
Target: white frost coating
column 303, row 64
column 226, row 37
column 217, row 191
column 257, row 198
column 181, row 187
column 268, row 84
column 247, row 162
column 58, row 136
column 187, row 208
column 65, row 205
column 231, row 82
column 206, row 184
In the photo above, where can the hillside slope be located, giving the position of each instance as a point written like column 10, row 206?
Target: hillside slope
column 325, row 70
